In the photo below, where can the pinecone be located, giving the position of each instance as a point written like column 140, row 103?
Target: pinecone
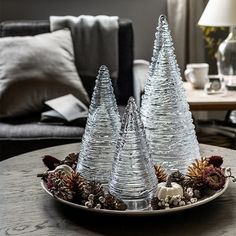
column 60, row 186
column 178, row 177
column 77, row 185
column 160, row 173
column 71, row 160
column 113, row 203
column 92, row 194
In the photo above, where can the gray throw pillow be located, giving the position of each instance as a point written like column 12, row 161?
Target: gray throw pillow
column 34, row 69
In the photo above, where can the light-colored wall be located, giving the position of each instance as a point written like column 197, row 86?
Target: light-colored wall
column 144, row 14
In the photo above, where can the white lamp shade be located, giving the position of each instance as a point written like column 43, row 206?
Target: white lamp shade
column 219, row 13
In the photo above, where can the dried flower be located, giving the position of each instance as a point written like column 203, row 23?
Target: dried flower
column 214, row 178
column 216, row 161
column 51, row 162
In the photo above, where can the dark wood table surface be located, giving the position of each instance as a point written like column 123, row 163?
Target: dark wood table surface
column 25, row 209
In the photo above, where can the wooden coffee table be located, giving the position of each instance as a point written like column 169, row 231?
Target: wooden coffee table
column 25, row 209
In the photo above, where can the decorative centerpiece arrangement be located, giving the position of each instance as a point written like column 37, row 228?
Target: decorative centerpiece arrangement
column 150, row 161
column 205, row 178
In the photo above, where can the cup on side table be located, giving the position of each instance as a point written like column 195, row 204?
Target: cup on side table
column 196, row 74
column 214, row 85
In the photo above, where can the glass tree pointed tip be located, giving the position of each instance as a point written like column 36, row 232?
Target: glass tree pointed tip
column 131, row 104
column 162, row 19
column 131, row 100
column 103, row 72
column 103, row 68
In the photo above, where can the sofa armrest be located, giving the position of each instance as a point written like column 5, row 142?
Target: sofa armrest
column 140, row 72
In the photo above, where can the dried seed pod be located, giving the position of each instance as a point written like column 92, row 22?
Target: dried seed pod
column 196, row 169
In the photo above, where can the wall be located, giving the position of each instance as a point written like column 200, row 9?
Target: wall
column 144, row 14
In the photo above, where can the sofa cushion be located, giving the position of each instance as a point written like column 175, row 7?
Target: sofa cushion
column 37, row 130
column 26, row 134
column 34, row 69
column 123, row 86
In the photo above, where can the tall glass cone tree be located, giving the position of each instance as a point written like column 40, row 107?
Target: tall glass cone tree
column 101, row 132
column 158, row 42
column 160, row 37
column 165, row 111
column 133, row 178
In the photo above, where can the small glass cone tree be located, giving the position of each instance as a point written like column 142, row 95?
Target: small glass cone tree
column 101, row 132
column 165, row 111
column 133, row 177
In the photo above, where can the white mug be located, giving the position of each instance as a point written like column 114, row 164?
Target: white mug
column 196, row 74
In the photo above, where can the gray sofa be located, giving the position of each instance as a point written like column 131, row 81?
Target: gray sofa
column 23, row 134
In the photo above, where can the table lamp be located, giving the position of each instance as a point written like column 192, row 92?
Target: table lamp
column 222, row 13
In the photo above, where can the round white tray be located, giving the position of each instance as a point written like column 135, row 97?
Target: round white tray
column 137, row 213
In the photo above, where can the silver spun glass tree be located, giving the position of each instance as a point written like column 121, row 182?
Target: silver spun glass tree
column 165, row 111
column 103, row 94
column 133, row 177
column 158, row 42
column 101, row 132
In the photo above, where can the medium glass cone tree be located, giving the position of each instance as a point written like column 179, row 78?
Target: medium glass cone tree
column 133, row 178
column 165, row 111
column 101, row 132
